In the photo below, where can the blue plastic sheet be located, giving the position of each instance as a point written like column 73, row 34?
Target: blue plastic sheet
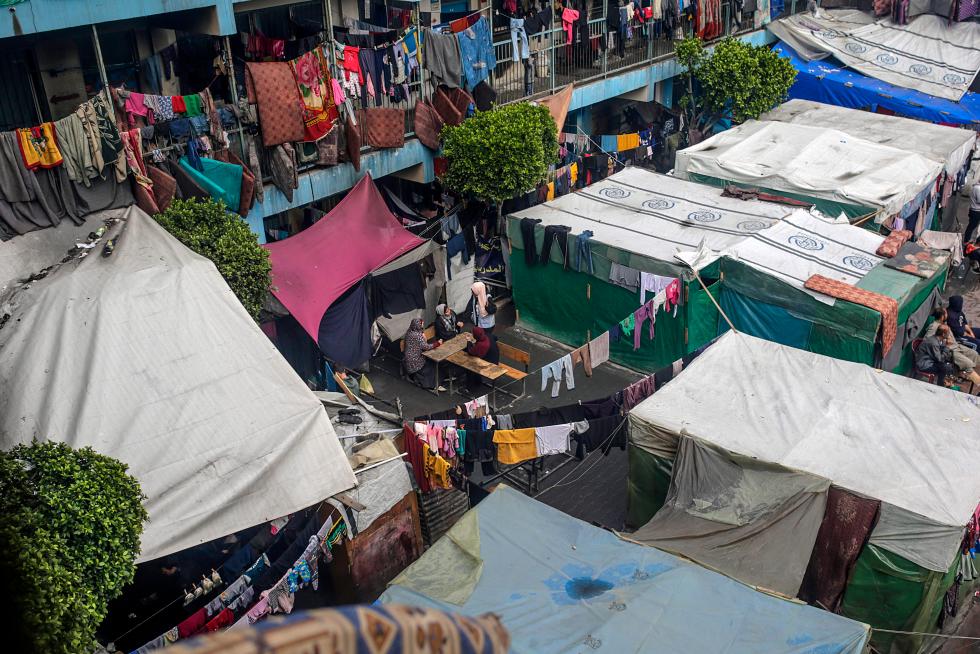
column 828, row 82
column 561, row 585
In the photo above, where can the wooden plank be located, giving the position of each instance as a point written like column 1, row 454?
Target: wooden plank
column 513, row 373
column 514, row 354
column 475, row 364
column 449, row 348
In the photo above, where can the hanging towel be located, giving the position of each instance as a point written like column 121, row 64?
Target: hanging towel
column 599, row 349
column 581, row 355
column 515, row 445
column 553, row 439
column 39, row 147
column 627, row 142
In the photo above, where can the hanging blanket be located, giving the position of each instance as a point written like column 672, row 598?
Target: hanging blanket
column 222, row 181
column 383, row 127
column 312, row 81
column 846, row 527
column 886, row 306
column 273, row 87
column 918, row 260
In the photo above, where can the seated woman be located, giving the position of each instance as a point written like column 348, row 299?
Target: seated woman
column 447, row 324
column 959, row 325
column 420, row 370
column 485, row 346
column 934, row 357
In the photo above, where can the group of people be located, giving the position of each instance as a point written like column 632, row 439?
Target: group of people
column 950, row 345
column 479, row 311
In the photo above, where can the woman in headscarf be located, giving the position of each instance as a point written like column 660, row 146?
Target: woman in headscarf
column 420, row 370
column 485, row 346
column 447, row 324
column 481, row 307
column 959, row 325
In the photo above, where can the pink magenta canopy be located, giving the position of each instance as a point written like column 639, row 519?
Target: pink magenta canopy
column 315, row 267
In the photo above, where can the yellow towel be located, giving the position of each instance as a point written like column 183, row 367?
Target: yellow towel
column 574, row 170
column 627, row 141
column 551, row 191
column 515, row 445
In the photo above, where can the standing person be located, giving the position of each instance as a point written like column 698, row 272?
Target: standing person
column 481, row 307
column 959, row 325
column 974, row 221
column 934, row 357
column 420, row 370
column 448, row 324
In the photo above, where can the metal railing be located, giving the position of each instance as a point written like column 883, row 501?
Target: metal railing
column 555, row 62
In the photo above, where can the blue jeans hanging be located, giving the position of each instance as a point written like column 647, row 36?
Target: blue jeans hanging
column 584, row 251
column 517, row 34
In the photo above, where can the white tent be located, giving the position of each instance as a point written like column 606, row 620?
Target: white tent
column 812, row 162
column 147, row 356
column 909, row 444
column 949, row 145
column 929, row 54
column 657, row 216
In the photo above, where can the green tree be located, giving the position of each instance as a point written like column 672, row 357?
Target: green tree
column 70, row 534
column 499, row 154
column 735, row 80
column 225, row 238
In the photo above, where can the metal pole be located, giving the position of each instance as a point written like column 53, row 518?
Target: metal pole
column 328, row 19
column 233, row 89
column 98, row 57
column 554, row 55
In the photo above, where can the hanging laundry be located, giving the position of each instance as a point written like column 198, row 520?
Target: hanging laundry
column 599, row 349
column 627, row 325
column 582, row 355
column 553, row 439
column 653, row 283
column 312, row 82
column 39, row 147
column 515, row 445
column 554, row 371
column 443, row 58
column 273, row 87
column 627, row 142
column 476, row 53
column 624, row 276
column 647, row 311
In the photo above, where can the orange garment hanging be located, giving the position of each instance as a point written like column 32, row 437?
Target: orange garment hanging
column 38, row 146
column 515, row 445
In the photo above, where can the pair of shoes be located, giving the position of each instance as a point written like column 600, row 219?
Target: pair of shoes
column 441, row 389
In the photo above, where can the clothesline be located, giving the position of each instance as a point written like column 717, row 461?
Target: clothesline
column 591, row 140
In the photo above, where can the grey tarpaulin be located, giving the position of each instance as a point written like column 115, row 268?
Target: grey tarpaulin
column 883, row 436
column 147, row 356
column 752, row 520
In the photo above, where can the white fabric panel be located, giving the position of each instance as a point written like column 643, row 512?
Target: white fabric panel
column 148, row 357
column 804, row 244
column 924, row 543
column 458, row 288
column 754, row 521
column 657, row 216
column 881, row 435
column 949, row 145
column 813, row 162
column 929, row 54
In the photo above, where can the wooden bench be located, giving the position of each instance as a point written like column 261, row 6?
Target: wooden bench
column 519, row 357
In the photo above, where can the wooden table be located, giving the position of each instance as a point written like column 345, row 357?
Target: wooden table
column 491, row 371
column 453, row 346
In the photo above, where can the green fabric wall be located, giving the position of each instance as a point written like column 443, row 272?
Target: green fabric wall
column 573, row 307
column 890, row 592
column 702, row 316
column 647, row 484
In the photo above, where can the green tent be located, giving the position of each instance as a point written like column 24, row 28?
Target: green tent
column 640, row 220
column 753, row 257
column 734, row 460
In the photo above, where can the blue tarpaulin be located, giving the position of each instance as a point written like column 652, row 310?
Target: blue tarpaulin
column 561, row 585
column 825, row 81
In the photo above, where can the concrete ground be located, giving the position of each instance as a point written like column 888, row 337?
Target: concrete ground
column 593, row 490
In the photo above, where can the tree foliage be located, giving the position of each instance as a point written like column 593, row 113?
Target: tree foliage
column 502, row 153
column 70, row 534
column 736, row 79
column 225, row 238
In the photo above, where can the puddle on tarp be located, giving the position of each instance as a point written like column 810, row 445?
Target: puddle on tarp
column 586, row 587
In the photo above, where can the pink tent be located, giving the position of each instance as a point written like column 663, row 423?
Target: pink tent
column 315, row 267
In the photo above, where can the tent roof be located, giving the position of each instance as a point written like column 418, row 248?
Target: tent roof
column 657, row 216
column 813, row 162
column 948, row 145
column 885, row 436
column 148, row 357
column 806, row 244
column 561, row 585
column 826, row 81
column 928, row 54
column 315, row 267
